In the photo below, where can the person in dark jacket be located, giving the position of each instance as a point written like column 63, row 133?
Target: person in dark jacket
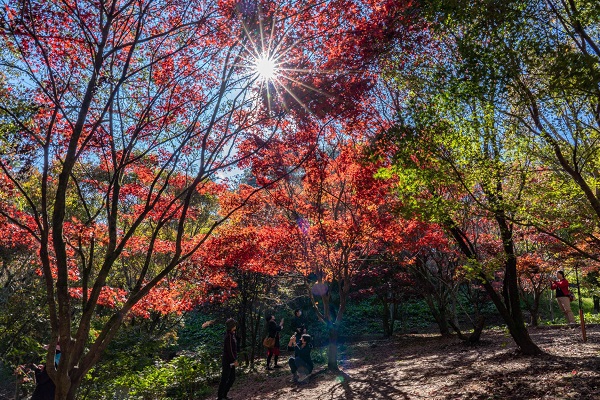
column 44, row 386
column 301, row 362
column 273, row 332
column 229, row 361
column 298, row 325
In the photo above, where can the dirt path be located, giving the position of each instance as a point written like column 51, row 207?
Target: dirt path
column 432, row 367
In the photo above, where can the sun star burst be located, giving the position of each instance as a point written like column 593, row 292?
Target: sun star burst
column 265, row 68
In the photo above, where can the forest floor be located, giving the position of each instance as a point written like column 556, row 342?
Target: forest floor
column 425, row 366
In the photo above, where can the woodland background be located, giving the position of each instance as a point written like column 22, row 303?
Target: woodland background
column 390, row 167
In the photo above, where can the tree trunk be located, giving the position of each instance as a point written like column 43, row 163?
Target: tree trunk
column 535, row 317
column 535, row 310
column 510, row 311
column 523, row 340
column 439, row 315
column 332, row 364
column 394, row 312
column 65, row 392
column 387, row 328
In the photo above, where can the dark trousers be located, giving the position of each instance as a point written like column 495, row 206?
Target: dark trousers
column 297, row 364
column 227, row 379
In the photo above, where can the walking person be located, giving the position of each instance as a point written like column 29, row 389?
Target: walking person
column 301, row 363
column 229, row 361
column 273, row 332
column 562, row 296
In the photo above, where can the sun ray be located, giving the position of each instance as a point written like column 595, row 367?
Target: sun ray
column 307, row 86
column 297, row 99
column 271, row 54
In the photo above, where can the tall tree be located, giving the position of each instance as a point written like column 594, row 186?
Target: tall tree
column 453, row 150
column 544, row 57
column 136, row 109
column 341, row 219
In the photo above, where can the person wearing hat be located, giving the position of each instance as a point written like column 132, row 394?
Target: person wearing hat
column 229, row 360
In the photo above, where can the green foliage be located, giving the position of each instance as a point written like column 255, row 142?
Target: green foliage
column 319, row 355
column 415, row 315
column 361, row 318
column 591, row 318
column 177, row 362
column 186, row 376
column 24, row 326
column 183, row 377
column 192, row 335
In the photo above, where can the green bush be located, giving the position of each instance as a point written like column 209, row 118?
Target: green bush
column 186, row 376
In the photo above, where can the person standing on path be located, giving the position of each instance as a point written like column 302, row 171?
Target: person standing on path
column 44, row 386
column 229, row 361
column 562, row 296
column 274, row 351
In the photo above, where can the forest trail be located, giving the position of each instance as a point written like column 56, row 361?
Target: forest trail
column 434, row 367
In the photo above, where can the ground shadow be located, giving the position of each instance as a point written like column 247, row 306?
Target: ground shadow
column 434, row 367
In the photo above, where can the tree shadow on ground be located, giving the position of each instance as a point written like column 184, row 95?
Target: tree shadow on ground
column 434, row 367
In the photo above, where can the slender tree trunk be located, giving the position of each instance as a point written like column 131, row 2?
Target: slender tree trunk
column 510, row 312
column 332, row 364
column 394, row 312
column 535, row 310
column 439, row 315
column 387, row 329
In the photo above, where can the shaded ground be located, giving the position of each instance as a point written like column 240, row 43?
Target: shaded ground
column 432, row 367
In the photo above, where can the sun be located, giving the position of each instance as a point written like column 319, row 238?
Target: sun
column 265, row 68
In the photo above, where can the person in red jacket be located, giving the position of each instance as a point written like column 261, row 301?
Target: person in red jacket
column 229, row 360
column 562, row 296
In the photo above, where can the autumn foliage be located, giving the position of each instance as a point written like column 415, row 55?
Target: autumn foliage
column 123, row 118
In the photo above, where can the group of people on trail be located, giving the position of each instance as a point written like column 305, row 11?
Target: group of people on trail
column 300, row 344
column 300, row 341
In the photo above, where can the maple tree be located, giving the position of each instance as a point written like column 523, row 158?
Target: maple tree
column 435, row 270
column 481, row 124
column 412, row 263
column 540, row 256
column 340, row 217
column 543, row 57
column 449, row 156
column 249, row 250
column 135, row 110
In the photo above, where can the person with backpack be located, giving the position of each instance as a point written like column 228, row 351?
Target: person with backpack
column 273, row 332
column 563, row 296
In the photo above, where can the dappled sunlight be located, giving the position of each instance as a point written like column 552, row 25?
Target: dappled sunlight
column 430, row 367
